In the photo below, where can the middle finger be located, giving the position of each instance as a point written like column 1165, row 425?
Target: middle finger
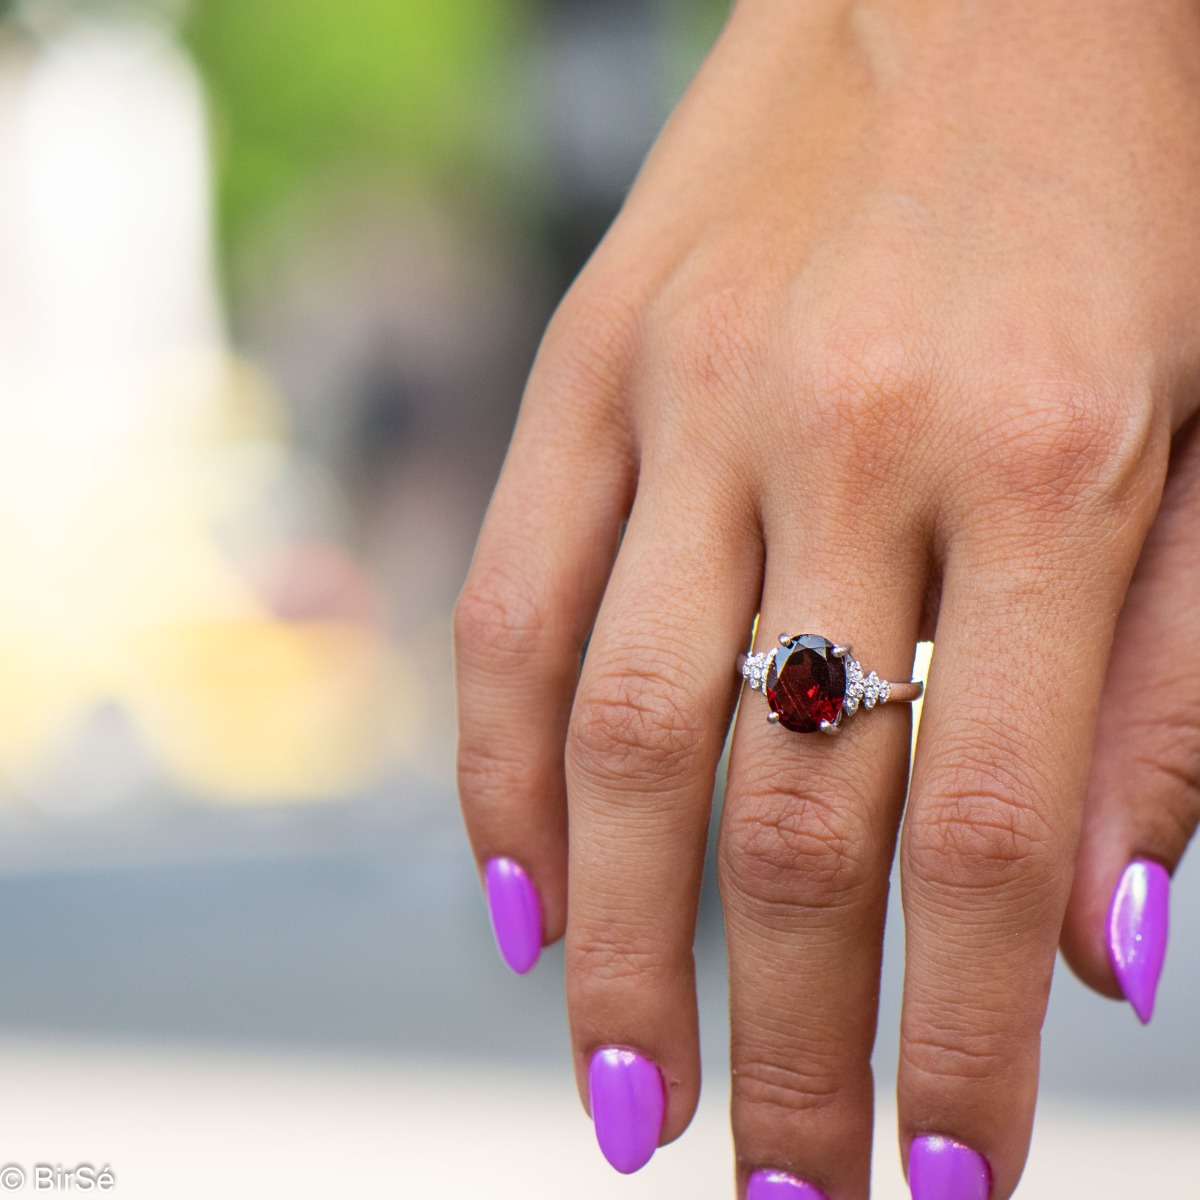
column 646, row 733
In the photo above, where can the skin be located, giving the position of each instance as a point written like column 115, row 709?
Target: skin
column 897, row 336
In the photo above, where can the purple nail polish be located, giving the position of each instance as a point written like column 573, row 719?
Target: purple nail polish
column 516, row 913
column 775, row 1185
column 1137, row 932
column 628, row 1102
column 940, row 1168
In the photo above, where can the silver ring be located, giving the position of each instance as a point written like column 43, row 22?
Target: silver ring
column 813, row 684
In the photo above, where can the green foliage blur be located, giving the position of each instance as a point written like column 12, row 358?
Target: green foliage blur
column 308, row 93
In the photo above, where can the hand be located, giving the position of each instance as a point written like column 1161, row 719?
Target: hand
column 892, row 337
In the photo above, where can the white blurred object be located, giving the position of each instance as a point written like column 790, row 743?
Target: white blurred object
column 106, row 246
column 194, row 1123
column 145, row 472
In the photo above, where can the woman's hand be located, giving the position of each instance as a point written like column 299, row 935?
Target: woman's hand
column 892, row 336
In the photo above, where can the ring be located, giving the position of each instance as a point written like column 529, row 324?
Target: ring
column 812, row 683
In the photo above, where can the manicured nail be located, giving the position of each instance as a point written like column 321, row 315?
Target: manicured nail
column 516, row 913
column 628, row 1102
column 940, row 1168
column 775, row 1185
column 1137, row 932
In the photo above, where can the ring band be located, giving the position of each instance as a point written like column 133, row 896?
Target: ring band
column 812, row 683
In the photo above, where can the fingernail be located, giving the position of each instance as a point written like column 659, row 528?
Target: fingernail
column 940, row 1168
column 628, row 1102
column 516, row 913
column 776, row 1185
column 1137, row 932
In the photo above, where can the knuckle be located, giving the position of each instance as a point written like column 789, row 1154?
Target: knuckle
column 484, row 772
column 1172, row 727
column 1061, row 442
column 716, row 341
column 974, row 1056
column 1167, row 750
column 794, row 849
column 592, row 339
column 1064, row 445
column 868, row 388
column 1179, row 777
column 600, row 960
column 499, row 619
column 806, row 1085
column 982, row 830
column 634, row 728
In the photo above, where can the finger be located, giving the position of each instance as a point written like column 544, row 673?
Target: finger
column 807, row 839
column 544, row 553
column 1143, row 798
column 646, row 735
column 1023, row 632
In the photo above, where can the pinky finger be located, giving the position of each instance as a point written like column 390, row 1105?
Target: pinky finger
column 1143, row 801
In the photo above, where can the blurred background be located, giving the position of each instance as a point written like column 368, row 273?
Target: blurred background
column 271, row 275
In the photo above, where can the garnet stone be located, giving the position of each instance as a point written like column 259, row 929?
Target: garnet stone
column 806, row 684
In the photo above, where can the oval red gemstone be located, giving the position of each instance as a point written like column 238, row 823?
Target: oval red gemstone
column 806, row 684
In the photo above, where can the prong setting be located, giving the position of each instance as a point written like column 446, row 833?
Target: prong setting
column 814, row 684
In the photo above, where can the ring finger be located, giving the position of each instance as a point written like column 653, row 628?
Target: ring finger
column 806, row 845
